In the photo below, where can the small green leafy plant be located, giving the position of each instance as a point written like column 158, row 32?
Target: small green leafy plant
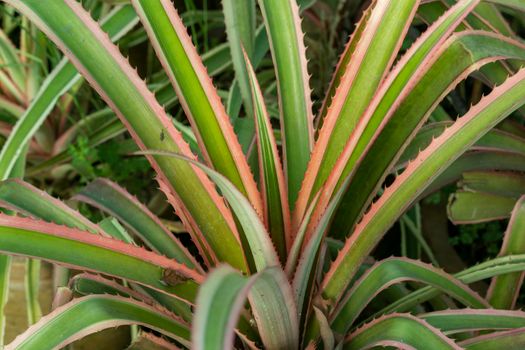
column 295, row 243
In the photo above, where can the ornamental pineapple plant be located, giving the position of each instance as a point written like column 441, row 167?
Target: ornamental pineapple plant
column 280, row 259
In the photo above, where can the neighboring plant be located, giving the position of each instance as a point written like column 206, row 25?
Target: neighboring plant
column 272, row 241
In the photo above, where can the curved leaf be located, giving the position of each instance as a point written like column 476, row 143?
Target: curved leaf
column 476, row 161
column 258, row 241
column 372, row 58
column 508, row 184
column 220, row 303
column 87, row 283
column 488, row 269
column 240, row 20
column 401, row 331
column 22, row 197
column 516, row 4
column 466, row 207
column 391, row 271
column 494, row 140
column 63, row 325
column 60, row 244
column 510, row 340
column 343, row 62
column 417, row 176
column 10, row 61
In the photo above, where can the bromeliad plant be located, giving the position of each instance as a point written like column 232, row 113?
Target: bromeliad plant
column 272, row 241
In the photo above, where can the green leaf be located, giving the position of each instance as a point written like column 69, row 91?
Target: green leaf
column 325, row 330
column 5, row 270
column 10, row 61
column 273, row 307
column 401, row 331
column 63, row 325
column 113, row 228
column 455, row 321
column 215, row 60
column 419, row 174
column 86, row 284
column 197, row 95
column 510, row 340
column 273, row 186
column 477, row 161
column 118, row 83
column 509, row 184
column 148, row 341
column 26, row 199
column 515, row 4
column 342, row 64
column 116, row 201
column 391, row 271
column 466, row 207
column 283, row 26
column 60, row 244
column 305, row 274
column 220, row 301
column 488, row 269
column 32, row 284
column 240, row 20
column 504, row 289
column 494, row 139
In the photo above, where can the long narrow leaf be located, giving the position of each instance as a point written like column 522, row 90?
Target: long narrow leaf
column 389, row 95
column 396, row 270
column 289, row 55
column 455, row 321
column 504, row 289
column 63, row 326
column 401, row 331
column 256, row 237
column 240, row 20
column 22, row 197
column 467, row 207
column 488, row 269
column 219, row 304
column 197, row 94
column 273, row 186
column 511, row 340
column 62, row 245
